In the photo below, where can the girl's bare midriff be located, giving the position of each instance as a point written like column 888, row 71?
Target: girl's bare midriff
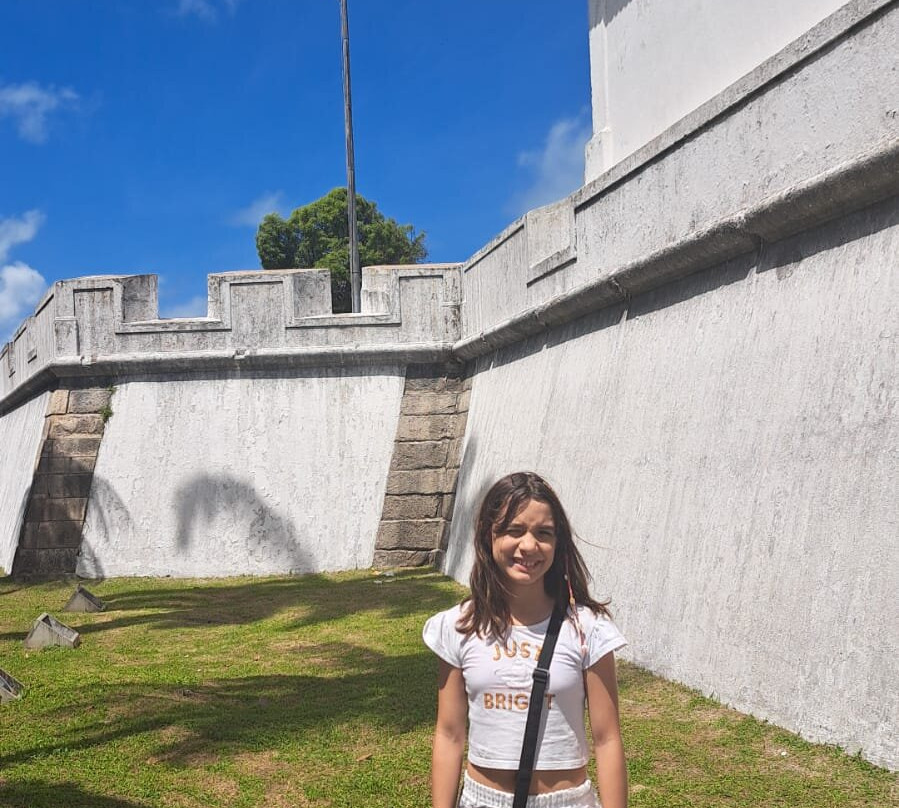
column 542, row 782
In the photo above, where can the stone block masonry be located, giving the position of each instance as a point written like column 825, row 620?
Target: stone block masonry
column 57, row 502
column 421, row 484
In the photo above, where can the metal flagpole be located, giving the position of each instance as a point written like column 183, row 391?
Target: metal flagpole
column 355, row 267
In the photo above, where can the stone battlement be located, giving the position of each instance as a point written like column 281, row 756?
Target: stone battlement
column 110, row 324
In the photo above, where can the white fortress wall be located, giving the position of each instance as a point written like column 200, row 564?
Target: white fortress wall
column 21, row 432
column 706, row 364
column 652, row 61
column 729, row 447
column 256, row 439
column 243, row 474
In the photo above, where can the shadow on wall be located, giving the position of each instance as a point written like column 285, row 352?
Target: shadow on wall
column 781, row 255
column 465, row 509
column 103, row 503
column 736, row 270
column 785, row 256
column 221, row 498
column 18, row 530
column 662, row 297
column 604, row 11
column 205, row 499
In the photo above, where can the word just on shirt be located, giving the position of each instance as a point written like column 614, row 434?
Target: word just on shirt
column 525, row 650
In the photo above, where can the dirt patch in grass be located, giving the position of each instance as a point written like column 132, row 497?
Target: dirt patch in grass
column 182, row 747
column 310, row 655
column 265, row 764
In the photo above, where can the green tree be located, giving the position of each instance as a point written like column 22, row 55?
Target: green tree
column 317, row 235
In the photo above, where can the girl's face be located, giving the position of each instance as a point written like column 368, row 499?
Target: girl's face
column 524, row 551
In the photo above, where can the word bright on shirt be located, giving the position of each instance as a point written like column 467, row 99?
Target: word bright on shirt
column 512, row 701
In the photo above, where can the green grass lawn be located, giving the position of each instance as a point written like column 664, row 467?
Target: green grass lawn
column 317, row 691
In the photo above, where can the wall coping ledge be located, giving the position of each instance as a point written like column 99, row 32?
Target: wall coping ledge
column 870, row 177
column 195, row 362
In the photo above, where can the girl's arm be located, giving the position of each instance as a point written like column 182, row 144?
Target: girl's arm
column 602, row 702
column 449, row 736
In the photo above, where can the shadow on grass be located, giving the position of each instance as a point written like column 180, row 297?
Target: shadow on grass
column 315, row 598
column 38, row 794
column 388, row 694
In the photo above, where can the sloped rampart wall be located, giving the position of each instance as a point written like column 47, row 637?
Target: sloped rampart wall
column 21, row 435
column 700, row 349
column 728, row 447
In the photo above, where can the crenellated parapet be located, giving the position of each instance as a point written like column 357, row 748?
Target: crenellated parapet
column 110, row 324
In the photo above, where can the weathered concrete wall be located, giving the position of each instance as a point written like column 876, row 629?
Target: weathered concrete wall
column 701, row 350
column 242, row 474
column 729, row 446
column 256, row 439
column 21, row 433
column 652, row 62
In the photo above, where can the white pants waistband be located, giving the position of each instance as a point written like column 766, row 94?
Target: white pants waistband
column 476, row 795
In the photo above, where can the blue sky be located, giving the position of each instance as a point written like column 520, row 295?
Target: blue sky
column 149, row 136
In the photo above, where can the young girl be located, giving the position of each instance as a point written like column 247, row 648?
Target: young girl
column 525, row 564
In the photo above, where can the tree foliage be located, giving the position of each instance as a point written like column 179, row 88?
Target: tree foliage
column 317, row 235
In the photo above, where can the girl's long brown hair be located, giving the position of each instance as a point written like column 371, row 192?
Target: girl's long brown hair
column 487, row 611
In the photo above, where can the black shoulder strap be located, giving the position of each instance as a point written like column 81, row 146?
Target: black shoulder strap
column 535, row 709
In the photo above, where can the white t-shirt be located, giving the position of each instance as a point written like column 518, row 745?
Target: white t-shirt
column 498, row 679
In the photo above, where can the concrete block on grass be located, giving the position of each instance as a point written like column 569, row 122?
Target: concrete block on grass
column 84, row 601
column 47, row 631
column 10, row 688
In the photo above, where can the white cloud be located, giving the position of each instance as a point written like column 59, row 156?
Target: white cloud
column 195, row 307
column 557, row 168
column 252, row 214
column 17, row 231
column 205, row 9
column 21, row 288
column 29, row 105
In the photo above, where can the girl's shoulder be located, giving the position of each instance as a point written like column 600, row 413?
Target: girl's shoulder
column 601, row 635
column 442, row 637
